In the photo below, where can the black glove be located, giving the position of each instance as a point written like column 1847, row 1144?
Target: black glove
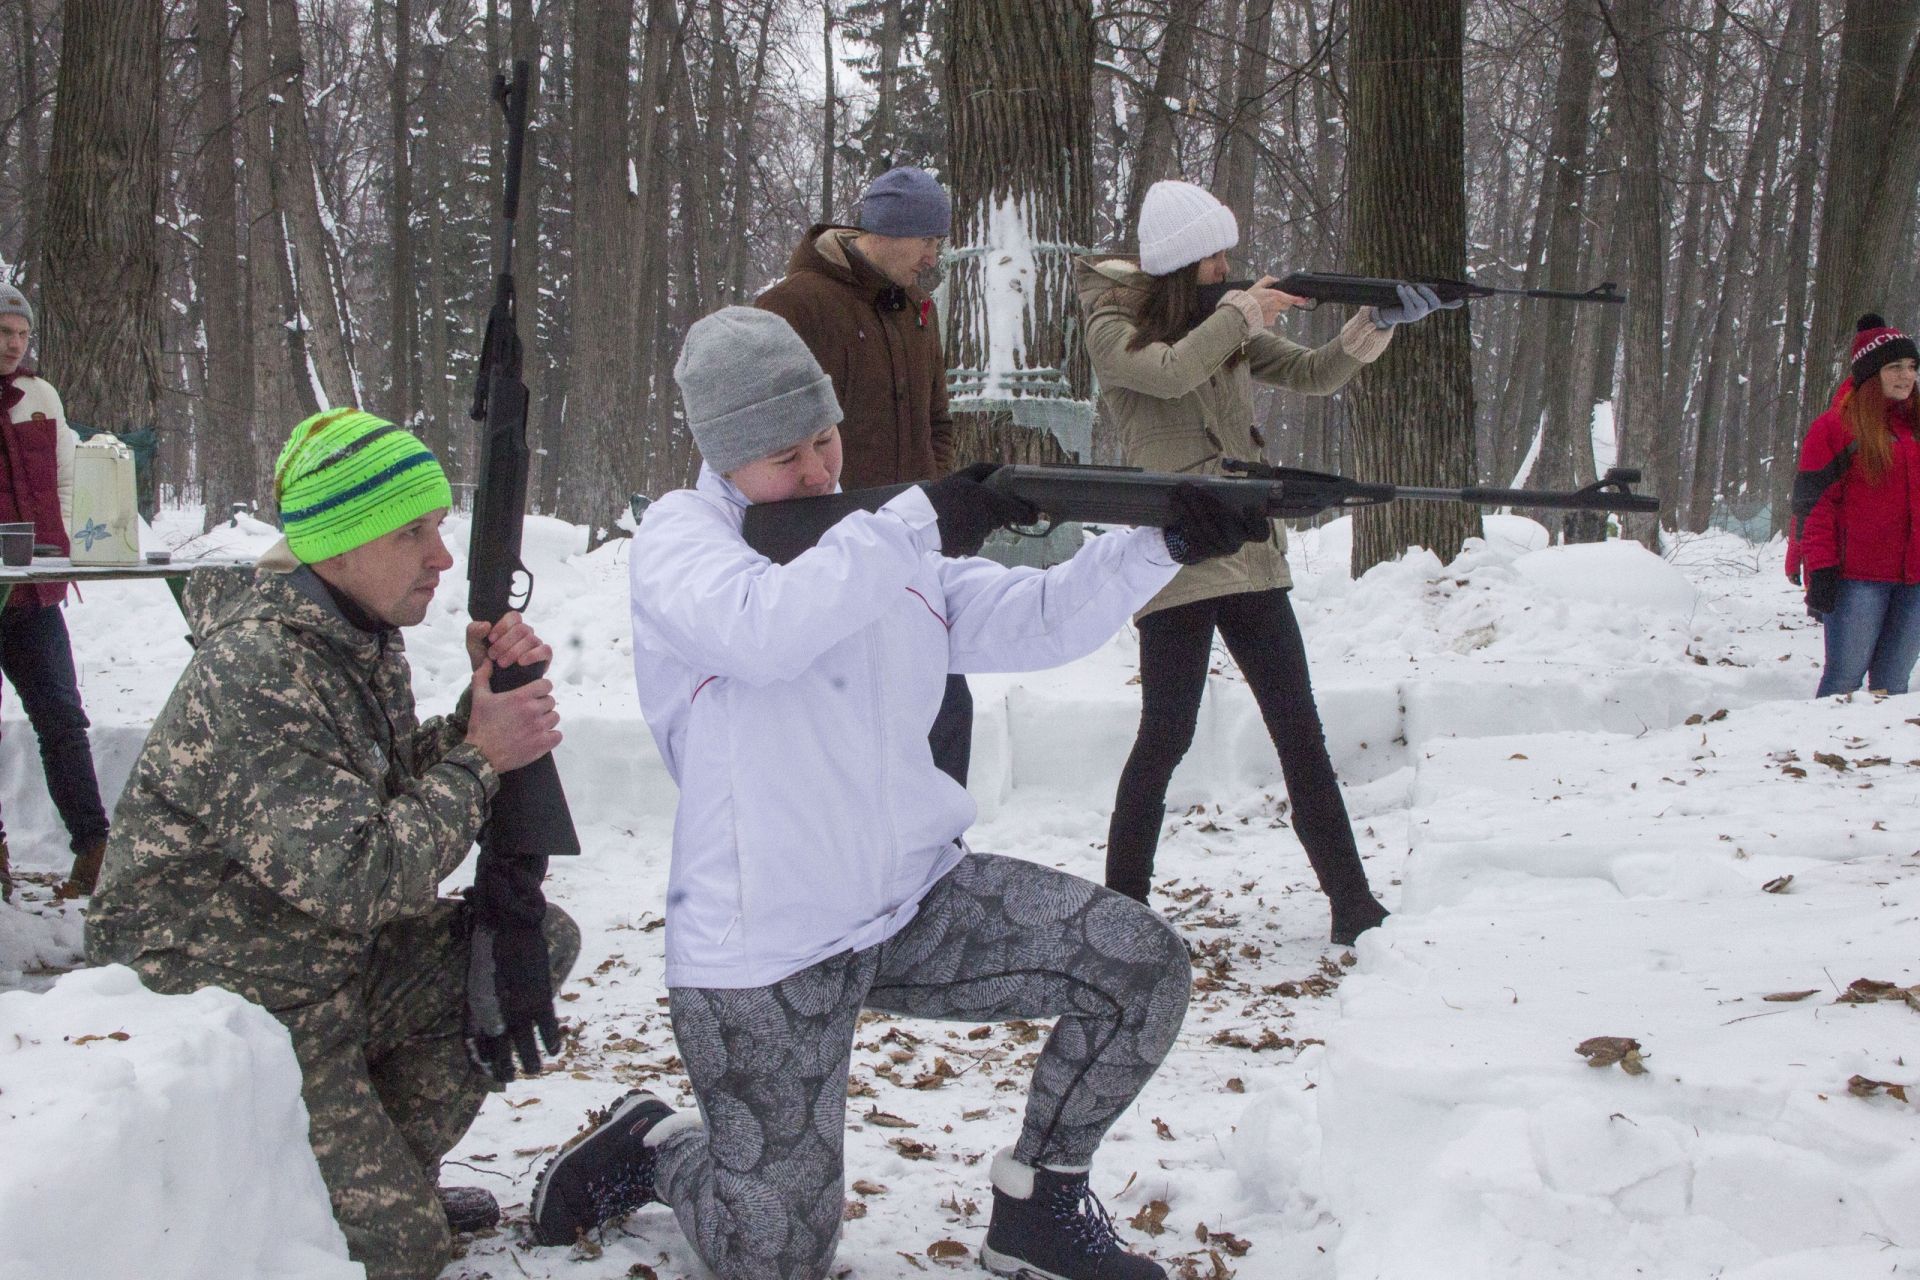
column 509, row 975
column 1823, row 590
column 1204, row 527
column 968, row 511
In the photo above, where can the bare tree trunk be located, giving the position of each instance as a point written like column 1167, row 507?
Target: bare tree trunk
column 297, row 192
column 101, row 261
column 604, row 400
column 1883, row 220
column 1683, row 323
column 1714, row 376
column 1875, row 37
column 400, row 285
column 32, row 174
column 282, row 389
column 1019, row 98
column 1790, row 420
column 745, row 132
column 665, row 458
column 1237, row 182
column 1412, row 413
column 827, row 125
column 886, row 87
column 226, row 448
column 1643, row 437
column 1153, row 160
column 1566, row 444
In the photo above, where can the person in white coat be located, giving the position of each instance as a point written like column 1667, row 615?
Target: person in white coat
column 820, row 865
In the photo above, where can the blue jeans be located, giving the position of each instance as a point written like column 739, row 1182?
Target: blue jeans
column 1873, row 632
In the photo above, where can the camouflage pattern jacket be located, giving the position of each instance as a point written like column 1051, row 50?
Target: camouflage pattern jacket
column 287, row 803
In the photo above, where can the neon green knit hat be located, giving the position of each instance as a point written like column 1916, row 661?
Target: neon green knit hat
column 346, row 477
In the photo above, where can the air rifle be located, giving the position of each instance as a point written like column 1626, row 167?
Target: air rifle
column 529, row 818
column 1126, row 495
column 1371, row 291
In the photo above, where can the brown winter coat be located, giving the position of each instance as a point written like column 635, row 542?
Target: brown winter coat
column 1177, row 408
column 888, row 368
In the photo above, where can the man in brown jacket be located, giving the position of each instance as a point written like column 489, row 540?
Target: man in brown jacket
column 853, row 295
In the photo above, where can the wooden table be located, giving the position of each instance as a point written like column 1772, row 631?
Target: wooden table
column 60, row 569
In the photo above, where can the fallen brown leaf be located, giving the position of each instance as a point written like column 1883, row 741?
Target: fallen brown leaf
column 1788, row 997
column 1605, row 1051
column 1151, row 1219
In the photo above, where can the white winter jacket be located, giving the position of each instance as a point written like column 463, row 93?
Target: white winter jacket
column 792, row 703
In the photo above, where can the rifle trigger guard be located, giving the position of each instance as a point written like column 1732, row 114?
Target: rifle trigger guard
column 1033, row 530
column 520, row 596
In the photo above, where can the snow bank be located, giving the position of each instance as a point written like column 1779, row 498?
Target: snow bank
column 1658, row 888
column 155, row 1136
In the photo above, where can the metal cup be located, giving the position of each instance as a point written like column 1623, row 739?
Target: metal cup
column 16, row 547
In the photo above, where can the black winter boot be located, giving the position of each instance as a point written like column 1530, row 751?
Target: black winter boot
column 1351, row 919
column 1048, row 1225
column 469, row 1209
column 604, row 1172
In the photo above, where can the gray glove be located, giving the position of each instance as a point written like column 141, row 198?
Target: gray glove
column 1417, row 302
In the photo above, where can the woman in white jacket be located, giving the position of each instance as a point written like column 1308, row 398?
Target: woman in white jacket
column 819, row 866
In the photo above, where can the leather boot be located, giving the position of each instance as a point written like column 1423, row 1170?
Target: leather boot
column 86, row 870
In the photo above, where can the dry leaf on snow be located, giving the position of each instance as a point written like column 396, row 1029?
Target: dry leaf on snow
column 1604, row 1051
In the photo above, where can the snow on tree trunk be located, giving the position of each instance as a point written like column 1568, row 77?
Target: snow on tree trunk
column 1019, row 97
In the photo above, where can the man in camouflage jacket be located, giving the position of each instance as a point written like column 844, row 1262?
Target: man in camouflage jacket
column 289, row 820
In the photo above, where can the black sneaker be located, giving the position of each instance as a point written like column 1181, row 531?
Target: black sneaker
column 1349, row 924
column 1060, row 1232
column 469, row 1209
column 603, row 1172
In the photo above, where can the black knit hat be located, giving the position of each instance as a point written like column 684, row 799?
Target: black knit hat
column 1877, row 344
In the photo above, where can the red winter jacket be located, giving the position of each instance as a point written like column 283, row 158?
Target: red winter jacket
column 30, row 481
column 1869, row 528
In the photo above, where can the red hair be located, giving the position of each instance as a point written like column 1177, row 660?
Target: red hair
column 1865, row 411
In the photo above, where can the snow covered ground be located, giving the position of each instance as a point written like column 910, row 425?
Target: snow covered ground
column 1592, row 784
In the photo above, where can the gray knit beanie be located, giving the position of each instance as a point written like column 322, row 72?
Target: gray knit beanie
column 14, row 303
column 906, row 202
column 751, row 387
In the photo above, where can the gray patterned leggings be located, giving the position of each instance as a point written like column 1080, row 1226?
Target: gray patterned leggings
column 759, row 1189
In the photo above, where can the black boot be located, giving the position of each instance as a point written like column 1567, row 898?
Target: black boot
column 1351, row 919
column 604, row 1172
column 6, row 873
column 469, row 1209
column 1048, row 1225
column 1132, row 836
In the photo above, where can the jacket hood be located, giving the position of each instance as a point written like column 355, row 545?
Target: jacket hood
column 824, row 249
column 1095, row 277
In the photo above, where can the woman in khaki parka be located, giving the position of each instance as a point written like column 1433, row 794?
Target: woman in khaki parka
column 1176, row 364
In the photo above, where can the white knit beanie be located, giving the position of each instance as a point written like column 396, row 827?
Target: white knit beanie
column 1180, row 224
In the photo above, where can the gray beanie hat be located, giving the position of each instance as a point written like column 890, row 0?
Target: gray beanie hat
column 906, row 202
column 14, row 303
column 751, row 387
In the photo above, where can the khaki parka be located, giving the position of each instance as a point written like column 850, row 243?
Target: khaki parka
column 1176, row 407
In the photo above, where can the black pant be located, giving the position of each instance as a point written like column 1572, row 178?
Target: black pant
column 952, row 734
column 1264, row 639
column 38, row 660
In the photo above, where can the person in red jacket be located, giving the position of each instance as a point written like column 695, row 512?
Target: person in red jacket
column 36, row 485
column 1856, row 504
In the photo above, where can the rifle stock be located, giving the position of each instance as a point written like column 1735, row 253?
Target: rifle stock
column 530, row 817
column 1125, row 495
